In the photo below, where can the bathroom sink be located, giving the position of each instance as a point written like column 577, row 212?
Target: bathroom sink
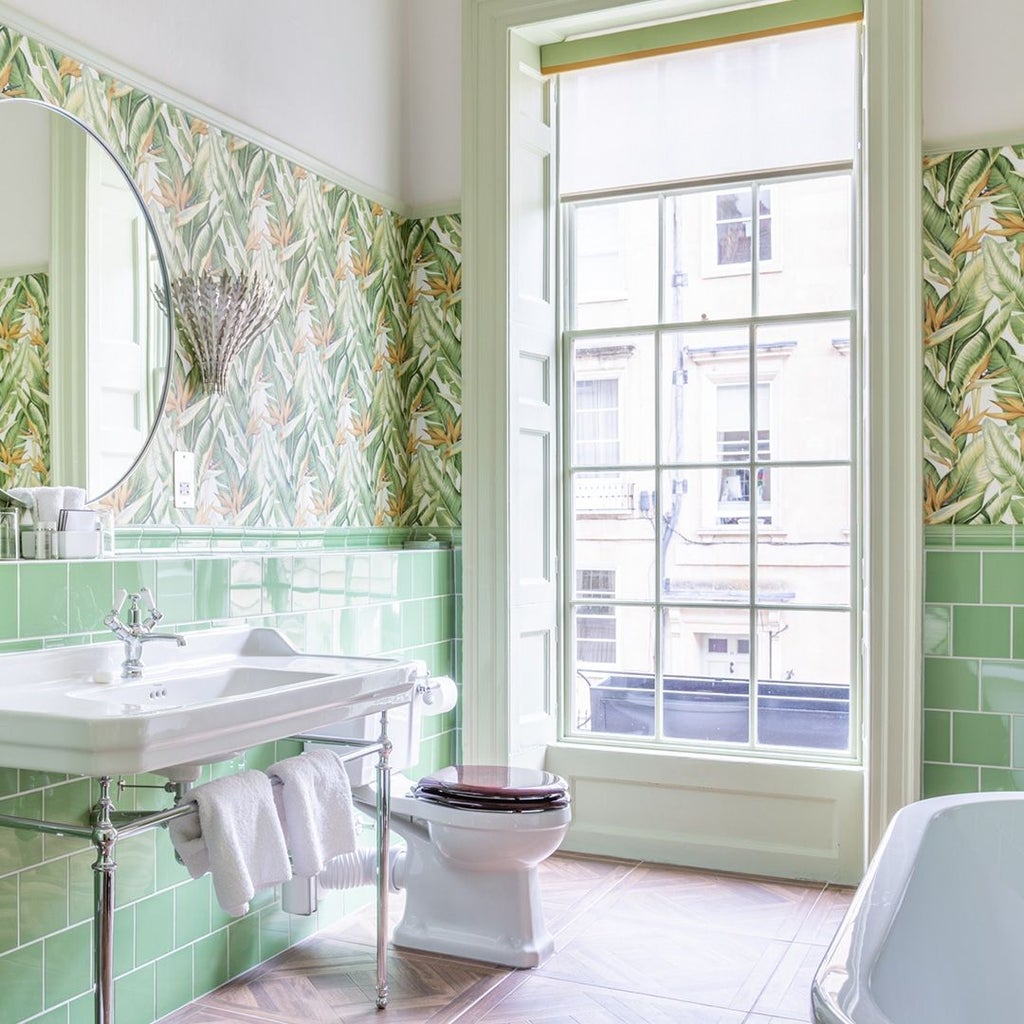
column 68, row 710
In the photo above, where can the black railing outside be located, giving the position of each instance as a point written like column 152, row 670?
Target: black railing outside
column 789, row 714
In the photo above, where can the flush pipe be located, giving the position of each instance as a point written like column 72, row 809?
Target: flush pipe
column 351, row 870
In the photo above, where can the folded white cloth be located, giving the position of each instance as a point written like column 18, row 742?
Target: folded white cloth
column 49, row 501
column 236, row 836
column 316, row 809
column 74, row 498
column 26, row 495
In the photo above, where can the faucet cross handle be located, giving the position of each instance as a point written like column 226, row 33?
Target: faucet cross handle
column 155, row 615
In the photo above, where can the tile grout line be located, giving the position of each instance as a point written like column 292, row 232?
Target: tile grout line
column 753, row 1011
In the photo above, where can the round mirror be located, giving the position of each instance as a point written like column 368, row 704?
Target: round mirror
column 85, row 345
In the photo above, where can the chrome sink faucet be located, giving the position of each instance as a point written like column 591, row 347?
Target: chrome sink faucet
column 137, row 631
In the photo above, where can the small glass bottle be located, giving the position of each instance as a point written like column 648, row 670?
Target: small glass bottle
column 46, row 540
column 10, row 530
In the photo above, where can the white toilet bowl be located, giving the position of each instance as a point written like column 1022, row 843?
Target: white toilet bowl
column 470, row 871
column 471, row 878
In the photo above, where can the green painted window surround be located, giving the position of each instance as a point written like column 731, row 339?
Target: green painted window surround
column 765, row 19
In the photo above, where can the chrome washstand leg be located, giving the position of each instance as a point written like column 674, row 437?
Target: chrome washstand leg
column 104, row 838
column 383, row 866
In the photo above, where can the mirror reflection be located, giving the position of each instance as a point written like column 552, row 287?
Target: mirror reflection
column 84, row 344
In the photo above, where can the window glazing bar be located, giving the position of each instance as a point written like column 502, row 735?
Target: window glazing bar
column 682, row 186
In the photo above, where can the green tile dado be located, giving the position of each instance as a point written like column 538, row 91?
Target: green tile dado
column 938, row 619
column 8, row 912
column 937, row 736
column 173, row 981
column 1018, row 633
column 1002, row 686
column 210, row 962
column 10, row 603
column 154, row 927
column 1001, row 780
column 213, row 587
column 981, row 631
column 42, row 599
column 92, row 584
column 21, row 983
column 1002, row 574
column 982, row 739
column 172, row 940
column 135, row 996
column 132, row 575
column 951, row 683
column 43, row 900
column 68, row 959
column 946, row 779
column 952, row 577
column 175, row 589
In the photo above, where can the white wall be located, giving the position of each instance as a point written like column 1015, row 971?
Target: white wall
column 323, row 76
column 972, row 95
column 373, row 89
column 972, row 82
column 432, row 116
column 25, row 189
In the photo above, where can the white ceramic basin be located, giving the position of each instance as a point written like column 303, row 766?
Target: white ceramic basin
column 225, row 691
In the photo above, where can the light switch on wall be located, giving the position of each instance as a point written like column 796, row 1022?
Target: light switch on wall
column 184, row 480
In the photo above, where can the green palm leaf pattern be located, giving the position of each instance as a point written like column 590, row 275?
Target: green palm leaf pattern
column 973, row 391
column 24, row 381
column 348, row 411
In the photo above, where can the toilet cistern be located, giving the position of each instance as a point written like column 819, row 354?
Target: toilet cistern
column 137, row 631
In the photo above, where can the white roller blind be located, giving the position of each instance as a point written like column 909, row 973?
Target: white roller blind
column 768, row 103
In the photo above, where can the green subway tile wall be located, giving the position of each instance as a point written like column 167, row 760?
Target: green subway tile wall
column 173, row 941
column 973, row 702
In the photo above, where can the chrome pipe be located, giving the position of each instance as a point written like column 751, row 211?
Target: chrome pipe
column 104, row 838
column 144, row 824
column 50, row 828
column 383, row 860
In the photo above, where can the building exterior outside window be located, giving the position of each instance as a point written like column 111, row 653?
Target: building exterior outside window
column 733, row 227
column 712, row 467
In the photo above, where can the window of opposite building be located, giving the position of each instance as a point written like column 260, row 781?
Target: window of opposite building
column 712, row 465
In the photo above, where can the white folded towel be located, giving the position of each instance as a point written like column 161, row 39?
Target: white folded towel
column 316, row 809
column 74, row 498
column 49, row 501
column 26, row 495
column 236, row 836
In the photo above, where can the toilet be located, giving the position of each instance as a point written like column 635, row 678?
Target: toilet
column 475, row 835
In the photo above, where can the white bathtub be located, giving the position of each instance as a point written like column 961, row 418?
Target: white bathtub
column 935, row 933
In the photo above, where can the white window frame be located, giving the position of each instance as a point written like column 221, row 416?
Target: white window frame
column 611, row 250
column 710, row 266
column 589, row 598
column 731, row 367
column 893, row 556
column 764, row 507
column 588, row 378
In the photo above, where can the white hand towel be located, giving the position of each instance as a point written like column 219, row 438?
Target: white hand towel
column 315, row 804
column 74, row 497
column 48, row 503
column 236, row 836
column 26, row 496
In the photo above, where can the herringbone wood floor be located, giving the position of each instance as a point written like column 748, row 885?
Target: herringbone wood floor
column 635, row 944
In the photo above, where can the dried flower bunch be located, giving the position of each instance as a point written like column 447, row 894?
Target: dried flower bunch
column 218, row 316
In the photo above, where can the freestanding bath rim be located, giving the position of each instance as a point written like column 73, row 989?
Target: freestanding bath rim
column 933, row 935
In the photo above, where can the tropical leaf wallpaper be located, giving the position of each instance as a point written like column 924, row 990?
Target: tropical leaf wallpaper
column 973, row 206
column 348, row 412
column 24, row 381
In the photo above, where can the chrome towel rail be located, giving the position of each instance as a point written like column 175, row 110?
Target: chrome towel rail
column 104, row 836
